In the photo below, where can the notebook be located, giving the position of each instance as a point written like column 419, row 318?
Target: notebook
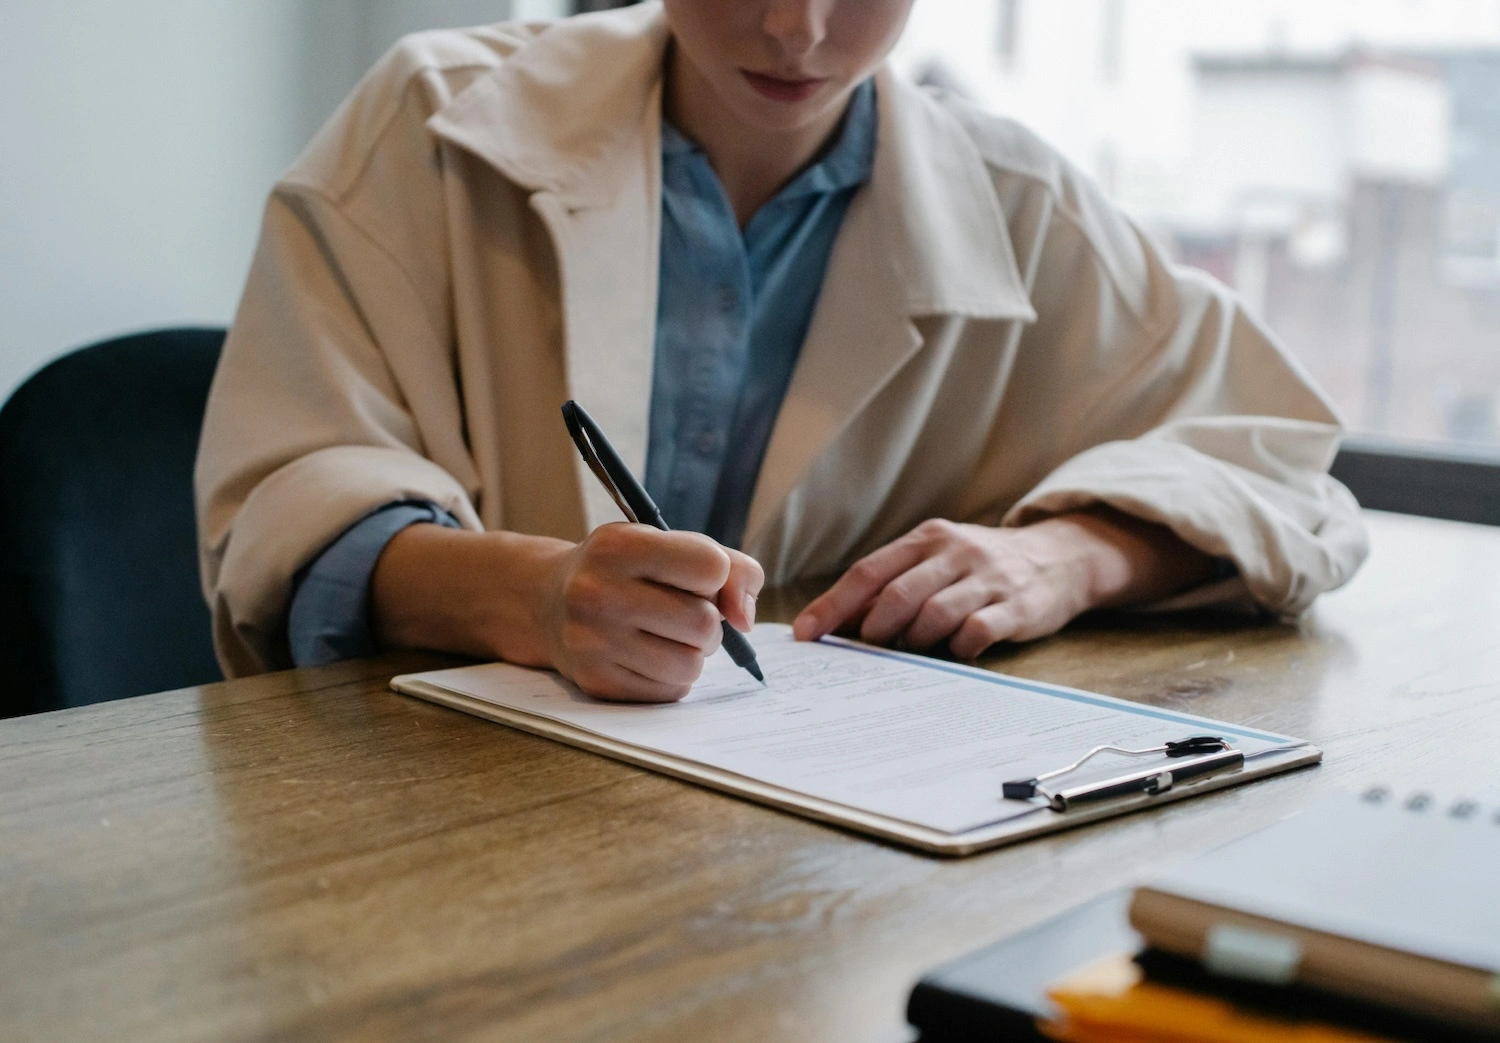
column 1009, row 989
column 903, row 747
column 1389, row 898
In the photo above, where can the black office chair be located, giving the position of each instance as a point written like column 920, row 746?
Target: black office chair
column 99, row 595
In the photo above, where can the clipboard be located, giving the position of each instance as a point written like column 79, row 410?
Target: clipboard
column 447, row 688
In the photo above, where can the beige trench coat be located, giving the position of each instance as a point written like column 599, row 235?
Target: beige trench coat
column 473, row 238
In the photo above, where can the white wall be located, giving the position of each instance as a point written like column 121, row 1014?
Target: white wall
column 140, row 140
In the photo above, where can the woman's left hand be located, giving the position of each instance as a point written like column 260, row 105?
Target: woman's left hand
column 973, row 585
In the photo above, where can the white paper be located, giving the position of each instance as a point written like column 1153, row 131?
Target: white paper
column 915, row 739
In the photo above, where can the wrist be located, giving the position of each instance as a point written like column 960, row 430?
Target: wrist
column 1124, row 560
column 478, row 594
column 1092, row 563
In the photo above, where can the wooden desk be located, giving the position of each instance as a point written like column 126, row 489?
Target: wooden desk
column 307, row 856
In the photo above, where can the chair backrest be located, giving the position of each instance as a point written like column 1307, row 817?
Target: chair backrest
column 99, row 594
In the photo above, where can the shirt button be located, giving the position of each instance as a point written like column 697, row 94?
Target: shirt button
column 707, row 443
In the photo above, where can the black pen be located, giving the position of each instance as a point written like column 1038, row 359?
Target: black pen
column 637, row 505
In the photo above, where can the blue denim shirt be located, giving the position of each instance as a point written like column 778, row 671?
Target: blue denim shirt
column 732, row 312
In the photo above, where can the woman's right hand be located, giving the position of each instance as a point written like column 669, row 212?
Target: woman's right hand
column 631, row 613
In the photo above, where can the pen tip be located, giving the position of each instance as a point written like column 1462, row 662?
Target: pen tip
column 754, row 669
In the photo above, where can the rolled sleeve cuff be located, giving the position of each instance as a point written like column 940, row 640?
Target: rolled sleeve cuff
column 329, row 620
column 1290, row 532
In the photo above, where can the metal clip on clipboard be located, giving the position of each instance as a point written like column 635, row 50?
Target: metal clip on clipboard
column 1194, row 758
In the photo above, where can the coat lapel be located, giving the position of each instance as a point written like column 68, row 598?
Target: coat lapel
column 575, row 116
column 608, row 257
column 926, row 236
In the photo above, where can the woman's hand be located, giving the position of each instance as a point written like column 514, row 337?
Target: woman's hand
column 629, row 613
column 632, row 612
column 973, row 585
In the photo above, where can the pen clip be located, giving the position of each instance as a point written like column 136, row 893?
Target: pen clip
column 1150, row 781
column 1192, row 756
column 585, row 445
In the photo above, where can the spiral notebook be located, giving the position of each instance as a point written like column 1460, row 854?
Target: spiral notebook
column 904, row 747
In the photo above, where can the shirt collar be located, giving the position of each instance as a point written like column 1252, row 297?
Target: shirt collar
column 846, row 165
column 674, row 142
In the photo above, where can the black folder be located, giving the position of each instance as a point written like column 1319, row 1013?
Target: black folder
column 998, row 992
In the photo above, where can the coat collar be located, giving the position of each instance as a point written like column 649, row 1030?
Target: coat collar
column 574, row 116
column 563, row 114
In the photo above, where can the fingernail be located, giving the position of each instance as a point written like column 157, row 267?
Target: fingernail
column 748, row 604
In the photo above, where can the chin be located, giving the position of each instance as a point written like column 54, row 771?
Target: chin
column 779, row 122
column 783, row 117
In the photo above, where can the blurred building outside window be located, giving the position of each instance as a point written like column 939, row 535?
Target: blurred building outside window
column 1336, row 161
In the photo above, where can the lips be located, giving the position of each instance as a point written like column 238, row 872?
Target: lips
column 780, row 88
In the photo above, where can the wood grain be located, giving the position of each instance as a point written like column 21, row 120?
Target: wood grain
column 307, row 856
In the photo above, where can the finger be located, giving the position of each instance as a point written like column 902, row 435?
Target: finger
column 903, row 597
column 988, row 626
column 737, row 600
column 689, row 561
column 606, row 680
column 603, row 606
column 856, row 588
column 1037, row 617
column 671, row 614
column 685, row 560
column 944, row 612
column 659, row 660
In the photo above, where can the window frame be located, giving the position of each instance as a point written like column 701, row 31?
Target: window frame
column 1427, row 479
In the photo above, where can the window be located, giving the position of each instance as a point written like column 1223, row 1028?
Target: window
column 1336, row 161
column 1112, row 40
column 1008, row 34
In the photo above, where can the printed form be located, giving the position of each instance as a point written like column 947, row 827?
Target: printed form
column 920, row 740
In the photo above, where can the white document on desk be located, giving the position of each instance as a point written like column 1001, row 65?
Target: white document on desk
column 899, row 737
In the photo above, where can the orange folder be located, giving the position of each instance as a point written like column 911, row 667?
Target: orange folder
column 1111, row 1002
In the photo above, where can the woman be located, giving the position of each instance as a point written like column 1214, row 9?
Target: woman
column 833, row 320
